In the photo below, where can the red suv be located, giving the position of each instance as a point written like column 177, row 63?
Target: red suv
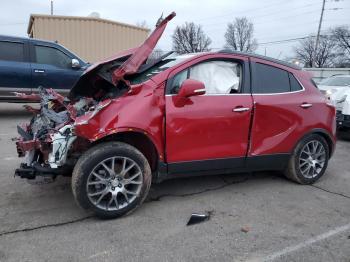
column 128, row 123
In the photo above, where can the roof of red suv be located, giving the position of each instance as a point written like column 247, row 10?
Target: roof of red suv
column 277, row 61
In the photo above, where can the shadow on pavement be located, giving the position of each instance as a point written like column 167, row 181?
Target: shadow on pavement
column 60, row 190
column 344, row 135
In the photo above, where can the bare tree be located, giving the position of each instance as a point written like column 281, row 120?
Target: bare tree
column 325, row 54
column 190, row 38
column 142, row 24
column 156, row 54
column 239, row 35
column 341, row 36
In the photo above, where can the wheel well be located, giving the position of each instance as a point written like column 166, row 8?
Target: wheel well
column 328, row 140
column 139, row 141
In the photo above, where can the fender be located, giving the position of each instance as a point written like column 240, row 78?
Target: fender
column 120, row 130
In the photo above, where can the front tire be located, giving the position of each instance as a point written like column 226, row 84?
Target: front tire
column 309, row 160
column 111, row 179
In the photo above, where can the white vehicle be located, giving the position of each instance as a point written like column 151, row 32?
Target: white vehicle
column 333, row 84
column 341, row 100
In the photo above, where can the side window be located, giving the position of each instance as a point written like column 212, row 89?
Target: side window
column 177, row 81
column 294, row 84
column 51, row 56
column 269, row 79
column 219, row 77
column 11, row 51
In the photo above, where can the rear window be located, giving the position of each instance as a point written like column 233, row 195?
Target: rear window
column 294, row 84
column 11, row 51
column 269, row 79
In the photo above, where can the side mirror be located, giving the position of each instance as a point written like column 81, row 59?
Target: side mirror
column 75, row 63
column 191, row 87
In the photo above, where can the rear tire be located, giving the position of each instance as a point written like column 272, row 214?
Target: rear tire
column 309, row 160
column 111, row 179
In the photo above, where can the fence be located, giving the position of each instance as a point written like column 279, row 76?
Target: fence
column 321, row 73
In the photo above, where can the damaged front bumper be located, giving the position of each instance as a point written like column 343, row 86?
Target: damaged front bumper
column 47, row 142
column 35, row 169
column 45, row 158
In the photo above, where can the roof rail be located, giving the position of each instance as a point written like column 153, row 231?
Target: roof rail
column 274, row 60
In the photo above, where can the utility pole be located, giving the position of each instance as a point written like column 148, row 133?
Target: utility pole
column 318, row 33
column 51, row 7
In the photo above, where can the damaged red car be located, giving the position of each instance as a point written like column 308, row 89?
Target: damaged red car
column 130, row 121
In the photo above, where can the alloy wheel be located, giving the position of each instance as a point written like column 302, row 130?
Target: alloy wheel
column 312, row 159
column 114, row 183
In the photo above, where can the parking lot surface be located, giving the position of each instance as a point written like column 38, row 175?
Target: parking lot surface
column 254, row 217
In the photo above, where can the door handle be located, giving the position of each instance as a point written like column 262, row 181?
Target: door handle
column 199, row 90
column 306, row 105
column 39, row 71
column 240, row 109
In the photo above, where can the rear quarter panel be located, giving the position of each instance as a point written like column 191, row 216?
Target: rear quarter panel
column 280, row 122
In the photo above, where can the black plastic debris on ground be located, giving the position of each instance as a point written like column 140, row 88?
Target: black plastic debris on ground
column 198, row 218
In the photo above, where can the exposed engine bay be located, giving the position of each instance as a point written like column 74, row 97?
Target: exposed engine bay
column 48, row 142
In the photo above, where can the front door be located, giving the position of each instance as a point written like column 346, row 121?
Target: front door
column 52, row 68
column 210, row 131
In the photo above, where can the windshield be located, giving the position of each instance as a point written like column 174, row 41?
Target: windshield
column 161, row 66
column 336, row 81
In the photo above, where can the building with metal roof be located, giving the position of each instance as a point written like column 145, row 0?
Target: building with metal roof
column 91, row 38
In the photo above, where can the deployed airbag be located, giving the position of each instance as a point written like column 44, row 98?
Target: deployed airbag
column 219, row 77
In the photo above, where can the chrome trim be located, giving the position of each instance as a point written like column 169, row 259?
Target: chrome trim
column 199, row 90
column 235, row 94
column 241, row 109
column 17, row 89
column 284, row 93
column 306, row 105
column 75, row 63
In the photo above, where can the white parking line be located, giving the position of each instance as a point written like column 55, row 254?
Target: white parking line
column 307, row 243
column 98, row 254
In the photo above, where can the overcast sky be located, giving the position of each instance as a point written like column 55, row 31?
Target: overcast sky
column 273, row 19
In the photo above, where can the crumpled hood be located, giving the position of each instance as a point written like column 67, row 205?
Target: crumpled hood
column 127, row 62
column 117, row 56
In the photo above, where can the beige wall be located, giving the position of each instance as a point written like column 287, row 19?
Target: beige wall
column 92, row 39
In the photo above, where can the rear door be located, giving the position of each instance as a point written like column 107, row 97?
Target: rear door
column 52, row 68
column 209, row 132
column 281, row 105
column 15, row 74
